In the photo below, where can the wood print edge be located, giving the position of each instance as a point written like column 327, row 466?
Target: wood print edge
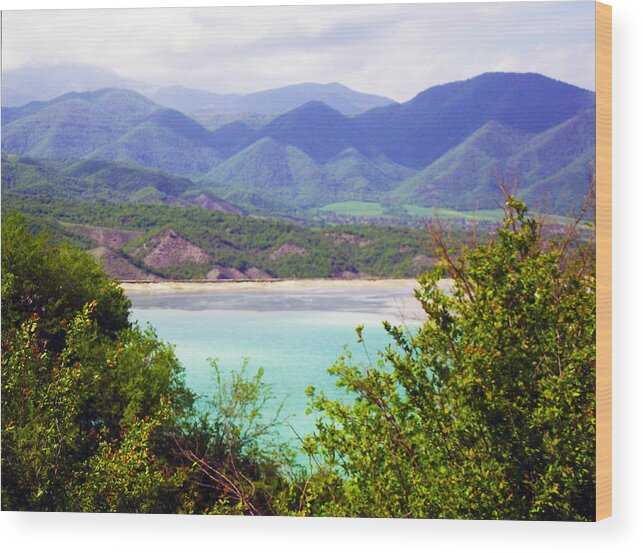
column 603, row 261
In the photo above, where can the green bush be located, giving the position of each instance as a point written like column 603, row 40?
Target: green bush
column 80, row 384
column 488, row 411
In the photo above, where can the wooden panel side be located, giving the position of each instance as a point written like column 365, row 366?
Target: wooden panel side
column 604, row 261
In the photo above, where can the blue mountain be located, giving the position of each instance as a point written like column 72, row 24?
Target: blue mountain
column 418, row 132
column 443, row 148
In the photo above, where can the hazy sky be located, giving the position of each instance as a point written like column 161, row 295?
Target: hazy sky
column 395, row 50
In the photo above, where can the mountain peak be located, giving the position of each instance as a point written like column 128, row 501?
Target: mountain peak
column 316, row 128
column 526, row 77
column 111, row 92
column 315, row 113
column 317, row 106
column 442, row 116
column 44, row 82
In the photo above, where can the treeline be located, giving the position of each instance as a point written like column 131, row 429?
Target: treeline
column 241, row 242
column 488, row 411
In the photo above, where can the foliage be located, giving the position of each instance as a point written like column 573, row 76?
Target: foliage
column 244, row 461
column 127, row 476
column 488, row 215
column 241, row 242
column 488, row 411
column 80, row 385
column 94, row 180
column 53, row 282
column 96, row 416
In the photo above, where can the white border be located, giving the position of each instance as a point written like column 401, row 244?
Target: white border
column 26, row 532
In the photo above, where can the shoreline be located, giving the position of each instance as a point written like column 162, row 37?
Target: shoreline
column 294, row 285
column 201, row 286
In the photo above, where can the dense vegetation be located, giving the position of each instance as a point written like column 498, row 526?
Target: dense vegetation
column 95, row 412
column 100, row 181
column 241, row 242
column 488, row 411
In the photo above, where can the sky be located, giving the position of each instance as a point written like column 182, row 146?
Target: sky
column 395, row 50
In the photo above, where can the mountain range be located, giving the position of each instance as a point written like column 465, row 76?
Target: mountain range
column 444, row 148
column 267, row 102
column 28, row 84
column 40, row 83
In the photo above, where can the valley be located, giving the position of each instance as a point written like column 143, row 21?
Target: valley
column 307, row 181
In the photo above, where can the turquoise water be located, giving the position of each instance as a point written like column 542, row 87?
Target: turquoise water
column 294, row 334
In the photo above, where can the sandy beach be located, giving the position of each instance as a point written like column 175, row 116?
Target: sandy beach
column 200, row 287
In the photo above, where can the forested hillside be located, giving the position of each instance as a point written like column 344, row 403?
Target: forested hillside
column 443, row 149
column 103, row 182
column 152, row 241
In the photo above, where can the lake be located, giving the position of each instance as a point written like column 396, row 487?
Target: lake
column 295, row 330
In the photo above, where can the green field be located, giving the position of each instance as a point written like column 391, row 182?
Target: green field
column 443, row 213
column 375, row 209
column 355, row 209
column 484, row 215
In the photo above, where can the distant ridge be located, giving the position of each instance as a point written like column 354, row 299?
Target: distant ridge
column 42, row 83
column 417, row 132
column 443, row 148
column 335, row 95
column 104, row 182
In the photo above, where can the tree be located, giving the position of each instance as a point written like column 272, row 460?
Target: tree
column 96, row 415
column 89, row 401
column 242, row 463
column 53, row 281
column 486, row 411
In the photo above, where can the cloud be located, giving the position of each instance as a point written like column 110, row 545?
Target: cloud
column 395, row 49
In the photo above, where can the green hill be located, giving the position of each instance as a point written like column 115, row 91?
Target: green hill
column 186, row 242
column 465, row 177
column 72, row 125
column 158, row 145
column 556, row 164
column 278, row 178
column 357, row 176
column 102, row 181
column 271, row 176
column 420, row 131
column 551, row 169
